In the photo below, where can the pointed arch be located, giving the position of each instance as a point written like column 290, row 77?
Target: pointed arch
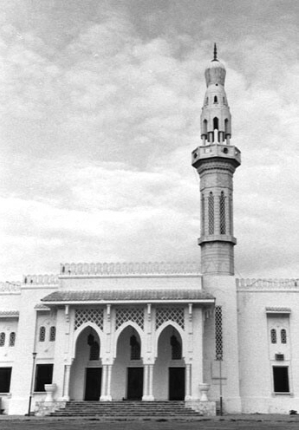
column 121, row 329
column 215, row 123
column 80, row 329
column 180, row 331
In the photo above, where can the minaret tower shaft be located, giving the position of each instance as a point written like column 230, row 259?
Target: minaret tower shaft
column 216, row 161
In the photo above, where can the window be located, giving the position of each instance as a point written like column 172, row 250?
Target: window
column 5, row 374
column 12, row 339
column 42, row 334
column 52, row 334
column 273, row 336
column 215, row 123
column 283, row 336
column 222, row 213
column 218, row 333
column 43, row 376
column 281, row 379
column 176, row 348
column 135, row 348
column 202, row 214
column 94, row 352
column 2, row 339
column 215, row 99
column 211, row 213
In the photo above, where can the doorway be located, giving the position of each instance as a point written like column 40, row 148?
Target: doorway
column 176, row 383
column 135, row 383
column 93, row 382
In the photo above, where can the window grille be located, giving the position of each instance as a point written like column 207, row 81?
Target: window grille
column 135, row 348
column 89, row 315
column 2, row 339
column 42, row 334
column 176, row 348
column 222, row 213
column 218, row 333
column 273, row 336
column 175, row 314
column 52, row 334
column 231, row 214
column 94, row 352
column 211, row 213
column 283, row 336
column 202, row 213
column 12, row 339
column 124, row 315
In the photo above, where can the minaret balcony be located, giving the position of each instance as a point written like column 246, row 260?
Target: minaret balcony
column 217, row 238
column 217, row 150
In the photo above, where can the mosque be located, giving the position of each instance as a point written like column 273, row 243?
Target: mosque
column 158, row 331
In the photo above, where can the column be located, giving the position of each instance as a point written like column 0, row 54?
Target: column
column 104, row 383
column 188, row 382
column 145, row 383
column 66, row 388
column 109, row 398
column 151, row 378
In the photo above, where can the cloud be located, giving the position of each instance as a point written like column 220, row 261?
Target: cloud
column 98, row 129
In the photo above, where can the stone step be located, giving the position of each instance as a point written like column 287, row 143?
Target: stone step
column 126, row 409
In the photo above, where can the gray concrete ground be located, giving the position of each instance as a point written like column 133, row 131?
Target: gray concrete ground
column 229, row 422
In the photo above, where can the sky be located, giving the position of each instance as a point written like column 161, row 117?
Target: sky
column 100, row 109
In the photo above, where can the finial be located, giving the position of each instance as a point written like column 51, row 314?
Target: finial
column 215, row 52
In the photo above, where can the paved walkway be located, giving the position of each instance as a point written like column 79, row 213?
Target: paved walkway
column 228, row 422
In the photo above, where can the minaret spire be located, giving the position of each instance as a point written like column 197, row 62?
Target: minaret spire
column 215, row 52
column 216, row 161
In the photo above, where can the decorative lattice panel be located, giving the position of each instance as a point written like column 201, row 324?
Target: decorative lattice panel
column 218, row 333
column 175, row 314
column 211, row 213
column 124, row 315
column 95, row 316
column 222, row 214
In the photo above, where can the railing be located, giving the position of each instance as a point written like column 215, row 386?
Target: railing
column 111, row 269
column 267, row 283
column 41, row 279
column 10, row 287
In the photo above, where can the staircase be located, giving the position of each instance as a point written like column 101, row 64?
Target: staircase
column 127, row 409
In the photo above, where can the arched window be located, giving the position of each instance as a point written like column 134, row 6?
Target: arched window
column 273, row 336
column 215, row 123
column 222, row 213
column 211, row 213
column 2, row 339
column 135, row 348
column 215, row 99
column 226, row 126
column 205, row 127
column 52, row 334
column 283, row 336
column 12, row 339
column 94, row 352
column 202, row 213
column 176, row 348
column 42, row 334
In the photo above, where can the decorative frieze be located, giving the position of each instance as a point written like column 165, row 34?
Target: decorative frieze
column 267, row 284
column 93, row 315
column 175, row 314
column 124, row 315
column 125, row 269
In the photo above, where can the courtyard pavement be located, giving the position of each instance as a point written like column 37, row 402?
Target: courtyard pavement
column 228, row 422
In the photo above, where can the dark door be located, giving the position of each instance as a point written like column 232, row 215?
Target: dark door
column 176, row 383
column 93, row 383
column 135, row 383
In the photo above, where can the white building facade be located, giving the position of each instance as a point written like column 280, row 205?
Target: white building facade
column 158, row 331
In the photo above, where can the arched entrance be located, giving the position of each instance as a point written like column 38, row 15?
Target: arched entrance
column 127, row 375
column 169, row 370
column 86, row 372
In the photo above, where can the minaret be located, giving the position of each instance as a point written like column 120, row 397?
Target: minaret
column 216, row 161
